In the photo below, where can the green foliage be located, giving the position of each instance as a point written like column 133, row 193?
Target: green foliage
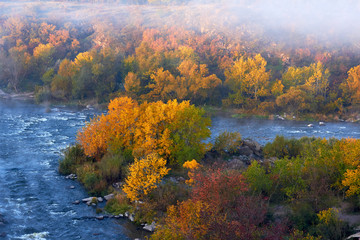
column 118, row 205
column 259, row 182
column 113, row 167
column 188, row 131
column 73, row 156
column 282, row 147
column 303, row 216
column 227, row 142
column 289, row 178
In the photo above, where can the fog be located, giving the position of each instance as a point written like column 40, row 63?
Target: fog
column 333, row 22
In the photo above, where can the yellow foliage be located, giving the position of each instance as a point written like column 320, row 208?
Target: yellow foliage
column 351, row 86
column 164, row 128
column 132, row 83
column 248, row 77
column 326, row 216
column 192, row 166
column 186, row 221
column 43, row 50
column 82, row 59
column 144, row 175
column 352, row 181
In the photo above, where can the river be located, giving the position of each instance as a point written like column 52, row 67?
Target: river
column 264, row 130
column 36, row 201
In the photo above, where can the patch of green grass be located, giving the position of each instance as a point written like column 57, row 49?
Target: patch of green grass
column 240, row 115
column 116, row 207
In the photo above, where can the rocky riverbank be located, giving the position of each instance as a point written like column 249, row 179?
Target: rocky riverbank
column 17, row 96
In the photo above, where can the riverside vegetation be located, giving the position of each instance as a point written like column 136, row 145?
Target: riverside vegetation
column 152, row 62
column 296, row 189
column 150, row 53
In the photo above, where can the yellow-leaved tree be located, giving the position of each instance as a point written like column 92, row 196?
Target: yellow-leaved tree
column 192, row 166
column 144, row 175
column 351, row 86
column 173, row 130
column 247, row 78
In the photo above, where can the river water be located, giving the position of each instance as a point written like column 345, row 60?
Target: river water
column 36, row 201
column 263, row 130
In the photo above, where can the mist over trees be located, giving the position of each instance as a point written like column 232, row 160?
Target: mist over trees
column 251, row 55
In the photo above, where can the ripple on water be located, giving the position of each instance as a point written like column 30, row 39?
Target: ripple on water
column 34, row 236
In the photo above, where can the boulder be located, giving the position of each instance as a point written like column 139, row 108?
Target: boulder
column 71, row 176
column 76, row 202
column 109, row 196
column 150, row 227
column 258, row 153
column 245, row 150
column 87, row 199
column 117, row 185
column 255, row 146
column 126, row 214
column 72, row 187
column 100, row 217
column 100, row 199
column 132, row 217
column 236, row 163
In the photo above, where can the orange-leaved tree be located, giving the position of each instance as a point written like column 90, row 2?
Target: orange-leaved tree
column 173, row 130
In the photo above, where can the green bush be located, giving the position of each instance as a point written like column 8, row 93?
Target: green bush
column 283, row 147
column 227, row 142
column 118, row 205
column 303, row 216
column 111, row 167
column 73, row 156
column 258, row 180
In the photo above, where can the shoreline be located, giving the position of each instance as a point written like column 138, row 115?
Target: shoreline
column 310, row 117
column 210, row 110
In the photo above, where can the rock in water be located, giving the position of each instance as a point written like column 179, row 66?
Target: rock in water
column 87, row 199
column 108, row 197
column 150, row 227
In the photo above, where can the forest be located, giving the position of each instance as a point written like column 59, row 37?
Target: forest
column 70, row 52
column 156, row 65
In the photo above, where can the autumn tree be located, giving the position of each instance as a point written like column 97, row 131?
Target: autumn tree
column 163, row 85
column 294, row 101
column 61, row 85
column 173, row 130
column 132, row 84
column 247, row 78
column 219, row 208
column 194, row 81
column 351, row 86
column 144, row 175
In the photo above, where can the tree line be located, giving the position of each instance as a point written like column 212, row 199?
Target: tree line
column 72, row 61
